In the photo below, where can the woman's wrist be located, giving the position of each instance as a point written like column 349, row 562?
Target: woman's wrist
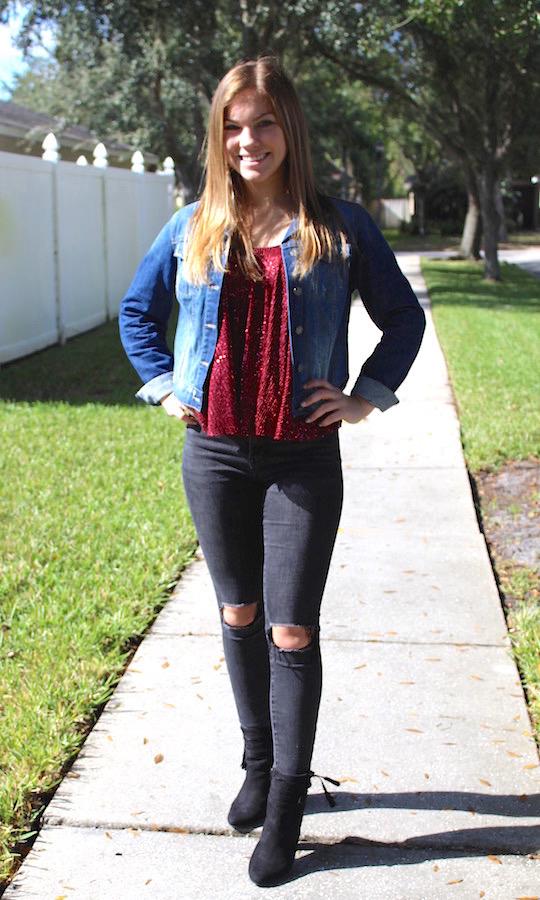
column 365, row 407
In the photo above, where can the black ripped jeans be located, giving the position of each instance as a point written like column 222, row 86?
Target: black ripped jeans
column 266, row 514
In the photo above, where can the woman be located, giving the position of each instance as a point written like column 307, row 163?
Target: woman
column 263, row 268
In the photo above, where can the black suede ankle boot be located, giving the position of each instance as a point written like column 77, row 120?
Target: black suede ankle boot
column 249, row 808
column 274, row 854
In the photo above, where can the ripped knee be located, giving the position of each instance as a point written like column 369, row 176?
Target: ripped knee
column 239, row 616
column 292, row 637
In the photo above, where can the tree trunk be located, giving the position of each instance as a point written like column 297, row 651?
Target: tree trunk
column 490, row 222
column 420, row 211
column 470, row 239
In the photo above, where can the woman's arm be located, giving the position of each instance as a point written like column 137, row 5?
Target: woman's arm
column 395, row 310
column 144, row 314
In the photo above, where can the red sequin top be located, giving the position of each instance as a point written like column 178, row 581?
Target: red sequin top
column 250, row 378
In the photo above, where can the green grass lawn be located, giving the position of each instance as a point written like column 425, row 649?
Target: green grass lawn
column 401, row 241
column 94, row 531
column 490, row 335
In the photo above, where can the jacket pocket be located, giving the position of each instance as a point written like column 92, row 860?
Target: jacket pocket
column 184, row 290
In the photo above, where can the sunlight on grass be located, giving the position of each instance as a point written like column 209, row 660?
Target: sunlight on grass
column 490, row 337
column 95, row 530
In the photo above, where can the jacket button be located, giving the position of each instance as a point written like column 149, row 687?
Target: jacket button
column 300, row 367
column 297, row 290
column 299, row 329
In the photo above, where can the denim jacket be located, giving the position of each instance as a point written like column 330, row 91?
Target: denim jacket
column 318, row 315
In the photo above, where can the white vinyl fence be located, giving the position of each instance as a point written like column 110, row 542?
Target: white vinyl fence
column 395, row 211
column 71, row 237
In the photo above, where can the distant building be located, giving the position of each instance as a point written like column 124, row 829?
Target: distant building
column 528, row 201
column 22, row 131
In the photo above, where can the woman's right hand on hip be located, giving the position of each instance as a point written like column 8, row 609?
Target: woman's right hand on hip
column 173, row 407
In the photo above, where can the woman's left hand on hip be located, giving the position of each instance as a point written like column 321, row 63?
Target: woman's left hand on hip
column 336, row 405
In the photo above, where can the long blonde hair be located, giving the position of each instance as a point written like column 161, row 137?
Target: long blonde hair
column 224, row 202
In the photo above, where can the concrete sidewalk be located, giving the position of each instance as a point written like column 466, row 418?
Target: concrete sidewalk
column 423, row 717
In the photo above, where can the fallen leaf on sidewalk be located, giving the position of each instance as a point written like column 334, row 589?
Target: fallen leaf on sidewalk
column 485, row 781
column 493, row 858
column 158, row 757
column 417, row 730
column 165, row 665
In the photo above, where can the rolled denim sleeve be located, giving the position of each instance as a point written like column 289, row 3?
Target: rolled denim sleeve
column 393, row 307
column 144, row 313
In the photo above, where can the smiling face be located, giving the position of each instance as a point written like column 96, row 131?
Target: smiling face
column 254, row 142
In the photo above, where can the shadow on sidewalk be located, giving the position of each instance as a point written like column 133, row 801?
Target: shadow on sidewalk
column 517, row 805
column 359, row 853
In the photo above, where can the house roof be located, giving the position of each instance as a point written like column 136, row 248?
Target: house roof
column 25, row 124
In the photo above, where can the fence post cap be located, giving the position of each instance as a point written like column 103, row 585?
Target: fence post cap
column 50, row 148
column 100, row 156
column 137, row 162
column 168, row 166
column 81, row 160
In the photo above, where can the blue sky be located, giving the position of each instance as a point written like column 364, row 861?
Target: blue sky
column 11, row 59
